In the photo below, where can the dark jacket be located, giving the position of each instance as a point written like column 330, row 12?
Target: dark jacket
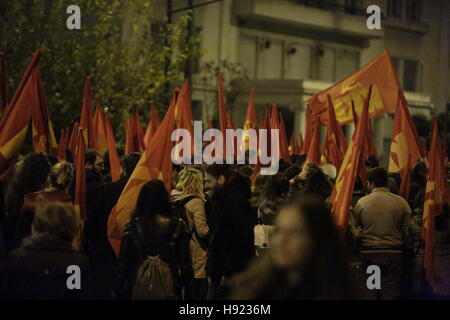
column 232, row 223
column 101, row 204
column 38, row 270
column 166, row 238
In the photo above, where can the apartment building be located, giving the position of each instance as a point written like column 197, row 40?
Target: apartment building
column 292, row 49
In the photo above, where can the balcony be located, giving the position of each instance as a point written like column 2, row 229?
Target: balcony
column 307, row 16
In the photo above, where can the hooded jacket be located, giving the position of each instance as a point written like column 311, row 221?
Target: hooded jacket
column 198, row 228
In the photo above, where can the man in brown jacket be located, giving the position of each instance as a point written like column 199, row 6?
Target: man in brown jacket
column 380, row 221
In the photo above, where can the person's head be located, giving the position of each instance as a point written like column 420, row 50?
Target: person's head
column 306, row 244
column 306, row 240
column 396, row 176
column 33, row 170
column 31, row 173
column 106, row 163
column 216, row 176
column 314, row 181
column 371, row 162
column 61, row 175
column 129, row 163
column 393, row 186
column 276, row 187
column 58, row 220
column 377, row 178
column 246, row 171
column 190, row 182
column 52, row 159
column 292, row 172
column 419, row 172
column 153, row 199
column 94, row 160
column 298, row 159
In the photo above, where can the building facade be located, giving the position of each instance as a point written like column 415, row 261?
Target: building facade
column 291, row 49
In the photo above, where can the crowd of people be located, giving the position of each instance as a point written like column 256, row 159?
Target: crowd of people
column 220, row 233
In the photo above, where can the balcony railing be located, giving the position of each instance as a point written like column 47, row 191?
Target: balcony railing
column 332, row 6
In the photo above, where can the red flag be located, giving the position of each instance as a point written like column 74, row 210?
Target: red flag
column 313, row 154
column 80, row 183
column 99, row 132
column 16, row 117
column 155, row 163
column 3, row 86
column 134, row 133
column 274, row 119
column 341, row 196
column 183, row 117
column 183, row 109
column 153, row 124
column 369, row 145
column 284, row 145
column 222, row 108
column 404, row 181
column 114, row 161
column 308, row 128
column 436, row 194
column 406, row 146
column 250, row 117
column 335, row 143
column 44, row 139
column 380, row 73
column 73, row 142
column 264, row 125
column 292, row 145
column 63, row 141
column 301, row 144
column 86, row 115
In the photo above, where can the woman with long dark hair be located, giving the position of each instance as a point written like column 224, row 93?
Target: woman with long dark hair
column 153, row 231
column 31, row 173
column 307, row 260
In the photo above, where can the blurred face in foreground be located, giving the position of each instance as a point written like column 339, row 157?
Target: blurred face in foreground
column 292, row 240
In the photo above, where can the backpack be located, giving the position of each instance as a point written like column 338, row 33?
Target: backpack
column 180, row 211
column 154, row 279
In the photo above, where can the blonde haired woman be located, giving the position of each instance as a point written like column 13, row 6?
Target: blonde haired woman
column 59, row 178
column 189, row 202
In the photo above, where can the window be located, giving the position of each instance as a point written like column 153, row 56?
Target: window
column 395, row 8
column 347, row 63
column 248, row 53
column 409, row 73
column 270, row 59
column 351, row 6
column 298, row 62
column 324, row 62
column 413, row 10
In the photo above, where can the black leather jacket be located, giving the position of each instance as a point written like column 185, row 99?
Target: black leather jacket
column 165, row 237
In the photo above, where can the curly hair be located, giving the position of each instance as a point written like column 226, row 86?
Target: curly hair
column 61, row 175
column 190, row 181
